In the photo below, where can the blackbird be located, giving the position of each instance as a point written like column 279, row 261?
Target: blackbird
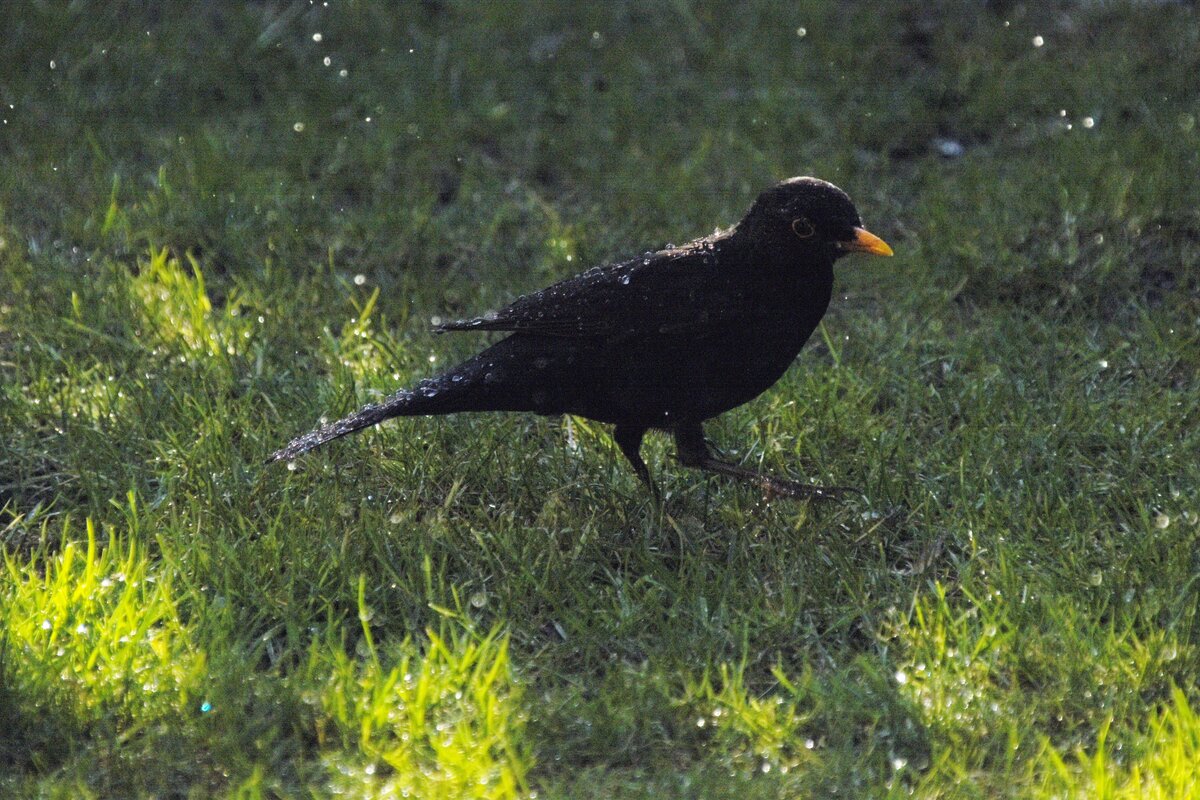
column 663, row 341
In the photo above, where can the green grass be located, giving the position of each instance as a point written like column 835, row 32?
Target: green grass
column 210, row 240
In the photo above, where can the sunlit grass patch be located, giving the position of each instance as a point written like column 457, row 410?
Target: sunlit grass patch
column 441, row 719
column 1163, row 763
column 179, row 313
column 93, row 634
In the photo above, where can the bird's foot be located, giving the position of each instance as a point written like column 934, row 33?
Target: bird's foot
column 793, row 490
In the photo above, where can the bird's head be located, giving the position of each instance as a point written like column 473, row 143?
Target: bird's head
column 810, row 216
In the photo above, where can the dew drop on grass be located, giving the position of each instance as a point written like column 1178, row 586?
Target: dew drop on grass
column 205, row 707
column 1162, row 521
column 479, row 600
column 802, row 32
column 949, row 148
column 901, row 677
column 291, row 465
column 1096, row 578
column 360, row 279
column 1038, row 41
column 298, row 127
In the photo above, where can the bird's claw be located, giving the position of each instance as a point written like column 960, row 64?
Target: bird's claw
column 792, row 490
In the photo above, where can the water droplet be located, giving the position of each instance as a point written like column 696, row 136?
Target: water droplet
column 1038, row 41
column 1089, row 122
column 625, row 280
column 1103, row 363
column 205, row 707
column 802, row 32
column 343, row 73
column 949, row 148
column 291, row 465
column 901, row 677
column 1096, row 578
column 1162, row 521
column 479, row 600
column 317, row 37
column 456, row 378
column 298, row 127
column 360, row 279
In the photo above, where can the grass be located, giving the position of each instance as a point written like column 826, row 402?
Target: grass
column 220, row 225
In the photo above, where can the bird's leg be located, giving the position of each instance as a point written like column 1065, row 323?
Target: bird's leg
column 629, row 439
column 693, row 452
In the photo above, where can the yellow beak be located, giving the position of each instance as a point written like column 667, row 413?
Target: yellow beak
column 866, row 242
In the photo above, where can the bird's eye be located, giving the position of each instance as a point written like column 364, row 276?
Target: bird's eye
column 803, row 228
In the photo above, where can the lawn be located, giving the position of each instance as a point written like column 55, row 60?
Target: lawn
column 221, row 223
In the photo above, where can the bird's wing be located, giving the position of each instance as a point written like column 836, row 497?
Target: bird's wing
column 668, row 292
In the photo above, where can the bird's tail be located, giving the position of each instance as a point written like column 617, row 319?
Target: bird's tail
column 498, row 379
column 440, row 395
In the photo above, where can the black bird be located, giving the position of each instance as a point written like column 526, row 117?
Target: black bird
column 664, row 341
